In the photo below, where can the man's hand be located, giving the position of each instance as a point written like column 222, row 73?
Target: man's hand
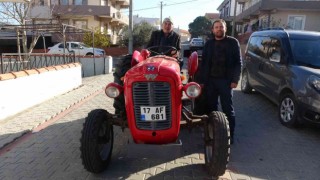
column 233, row 85
column 174, row 54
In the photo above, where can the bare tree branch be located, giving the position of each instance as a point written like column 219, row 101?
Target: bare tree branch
column 19, row 13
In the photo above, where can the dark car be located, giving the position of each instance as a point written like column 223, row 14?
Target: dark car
column 284, row 65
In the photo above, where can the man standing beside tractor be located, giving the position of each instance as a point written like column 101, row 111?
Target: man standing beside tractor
column 221, row 68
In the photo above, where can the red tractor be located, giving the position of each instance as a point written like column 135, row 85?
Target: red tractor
column 148, row 98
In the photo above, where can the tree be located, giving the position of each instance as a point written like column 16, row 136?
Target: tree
column 141, row 34
column 17, row 13
column 101, row 40
column 201, row 26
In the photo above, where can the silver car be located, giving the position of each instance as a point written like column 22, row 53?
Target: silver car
column 75, row 47
column 284, row 65
column 196, row 43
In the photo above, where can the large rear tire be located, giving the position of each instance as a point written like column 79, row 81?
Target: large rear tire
column 217, row 144
column 96, row 141
column 122, row 67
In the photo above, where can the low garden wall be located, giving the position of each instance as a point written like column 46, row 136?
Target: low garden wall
column 24, row 89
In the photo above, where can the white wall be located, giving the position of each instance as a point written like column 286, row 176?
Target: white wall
column 24, row 92
column 97, row 66
column 18, row 94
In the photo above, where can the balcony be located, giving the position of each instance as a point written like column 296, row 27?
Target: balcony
column 241, row 1
column 120, row 18
column 105, row 12
column 83, row 10
column 121, row 3
column 268, row 6
column 252, row 10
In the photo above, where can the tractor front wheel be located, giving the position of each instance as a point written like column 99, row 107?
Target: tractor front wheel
column 217, row 145
column 96, row 141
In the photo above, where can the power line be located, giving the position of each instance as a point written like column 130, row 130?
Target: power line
column 180, row 3
column 163, row 5
column 145, row 8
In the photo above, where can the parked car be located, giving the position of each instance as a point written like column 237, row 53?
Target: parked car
column 196, row 43
column 284, row 65
column 77, row 47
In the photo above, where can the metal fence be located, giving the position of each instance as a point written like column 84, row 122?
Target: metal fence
column 13, row 62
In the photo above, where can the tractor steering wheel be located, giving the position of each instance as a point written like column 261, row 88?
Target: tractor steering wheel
column 163, row 50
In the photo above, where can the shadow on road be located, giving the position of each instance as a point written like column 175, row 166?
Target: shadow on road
column 266, row 149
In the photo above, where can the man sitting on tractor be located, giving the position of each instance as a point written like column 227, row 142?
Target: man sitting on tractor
column 166, row 37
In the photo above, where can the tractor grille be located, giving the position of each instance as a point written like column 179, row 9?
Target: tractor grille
column 152, row 94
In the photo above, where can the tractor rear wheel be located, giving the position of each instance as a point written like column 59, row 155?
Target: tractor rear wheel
column 217, row 145
column 96, row 141
column 122, row 67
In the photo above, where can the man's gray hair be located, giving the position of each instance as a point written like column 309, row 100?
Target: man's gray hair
column 167, row 19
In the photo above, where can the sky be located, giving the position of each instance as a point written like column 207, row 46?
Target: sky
column 182, row 12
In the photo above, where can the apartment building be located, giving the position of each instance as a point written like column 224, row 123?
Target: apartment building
column 103, row 15
column 155, row 22
column 251, row 15
column 212, row 16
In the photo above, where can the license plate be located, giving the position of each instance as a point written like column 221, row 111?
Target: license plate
column 153, row 113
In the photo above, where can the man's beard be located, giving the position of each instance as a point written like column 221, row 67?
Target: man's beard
column 219, row 35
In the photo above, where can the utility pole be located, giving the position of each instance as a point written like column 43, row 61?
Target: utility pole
column 161, row 12
column 234, row 18
column 130, row 48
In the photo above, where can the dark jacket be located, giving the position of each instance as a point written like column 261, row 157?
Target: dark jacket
column 233, row 64
column 173, row 39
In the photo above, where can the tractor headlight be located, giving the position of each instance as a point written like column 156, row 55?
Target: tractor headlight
column 192, row 90
column 314, row 82
column 113, row 90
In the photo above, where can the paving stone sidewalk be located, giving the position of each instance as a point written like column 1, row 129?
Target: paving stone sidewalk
column 21, row 123
column 263, row 149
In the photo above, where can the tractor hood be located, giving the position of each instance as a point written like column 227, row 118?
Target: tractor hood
column 154, row 82
column 156, row 66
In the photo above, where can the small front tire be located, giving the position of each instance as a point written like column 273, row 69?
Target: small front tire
column 96, row 141
column 217, row 144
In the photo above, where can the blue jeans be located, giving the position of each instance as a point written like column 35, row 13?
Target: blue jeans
column 220, row 88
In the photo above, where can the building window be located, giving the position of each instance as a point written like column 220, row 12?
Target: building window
column 64, row 2
column 54, row 2
column 41, row 3
column 80, row 24
column 296, row 22
column 77, row 2
column 226, row 13
column 106, row 28
column 64, row 21
column 104, row 2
